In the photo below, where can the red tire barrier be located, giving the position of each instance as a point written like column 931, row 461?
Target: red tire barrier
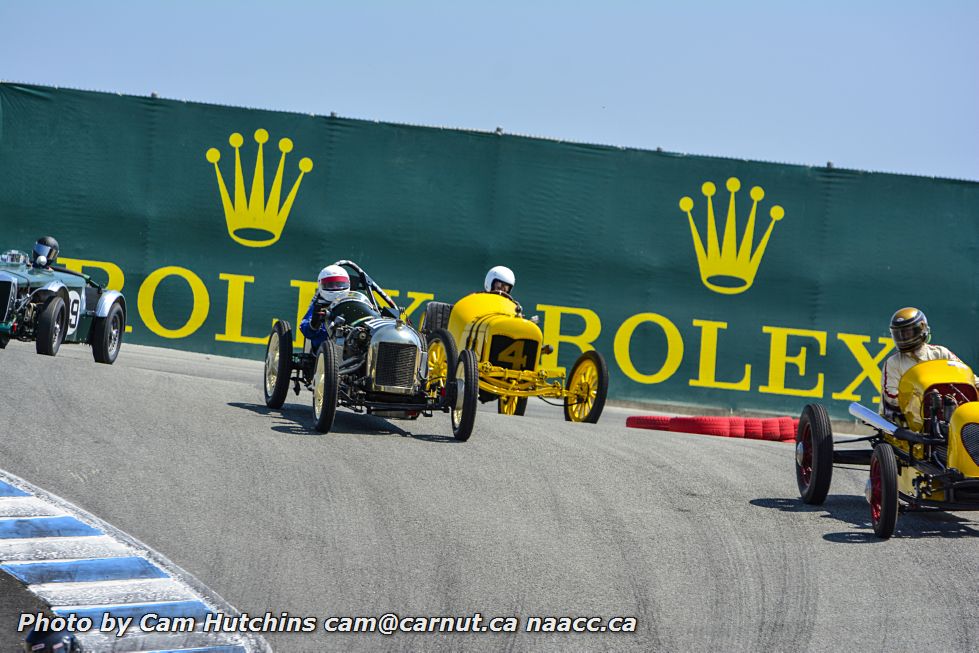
column 703, row 425
column 654, row 422
column 770, row 428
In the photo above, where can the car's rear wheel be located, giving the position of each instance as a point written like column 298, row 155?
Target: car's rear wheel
column 587, row 388
column 882, row 490
column 442, row 358
column 326, row 386
column 107, row 335
column 814, row 454
column 511, row 405
column 51, row 325
column 3, row 341
column 466, row 396
column 278, row 364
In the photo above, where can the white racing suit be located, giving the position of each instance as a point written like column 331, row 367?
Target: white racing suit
column 897, row 364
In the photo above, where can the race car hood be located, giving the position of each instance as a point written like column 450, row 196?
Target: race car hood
column 31, row 278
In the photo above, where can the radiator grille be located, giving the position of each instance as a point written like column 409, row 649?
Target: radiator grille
column 970, row 439
column 6, row 299
column 395, row 365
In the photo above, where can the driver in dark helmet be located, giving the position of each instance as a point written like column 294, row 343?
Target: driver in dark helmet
column 45, row 641
column 911, row 334
column 45, row 252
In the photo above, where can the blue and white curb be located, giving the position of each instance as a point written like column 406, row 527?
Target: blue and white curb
column 78, row 565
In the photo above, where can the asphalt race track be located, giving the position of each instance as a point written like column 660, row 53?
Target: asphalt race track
column 702, row 539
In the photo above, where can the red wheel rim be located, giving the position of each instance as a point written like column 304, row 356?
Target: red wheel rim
column 875, row 482
column 805, row 467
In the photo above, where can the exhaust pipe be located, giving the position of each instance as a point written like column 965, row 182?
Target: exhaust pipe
column 872, row 419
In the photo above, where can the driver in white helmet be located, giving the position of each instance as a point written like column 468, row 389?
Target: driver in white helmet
column 500, row 280
column 333, row 283
column 911, row 334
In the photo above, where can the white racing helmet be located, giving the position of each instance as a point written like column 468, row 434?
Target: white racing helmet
column 333, row 281
column 500, row 278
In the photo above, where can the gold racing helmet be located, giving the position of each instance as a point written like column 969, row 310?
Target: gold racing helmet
column 909, row 329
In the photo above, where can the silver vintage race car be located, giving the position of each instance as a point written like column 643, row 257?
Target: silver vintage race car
column 372, row 361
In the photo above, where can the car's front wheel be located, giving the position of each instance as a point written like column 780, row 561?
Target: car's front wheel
column 586, row 389
column 326, row 387
column 466, row 396
column 51, row 325
column 882, row 490
column 442, row 357
column 814, row 454
column 107, row 335
column 278, row 364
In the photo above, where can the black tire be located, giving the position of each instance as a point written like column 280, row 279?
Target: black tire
column 595, row 381
column 882, row 490
column 51, row 325
column 107, row 335
column 519, row 409
column 3, row 341
column 463, row 412
column 814, row 454
column 278, row 364
column 438, row 341
column 326, row 387
column 436, row 316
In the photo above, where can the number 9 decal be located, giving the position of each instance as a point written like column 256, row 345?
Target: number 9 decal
column 74, row 308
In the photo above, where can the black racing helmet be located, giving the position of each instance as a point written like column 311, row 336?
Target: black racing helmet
column 45, row 641
column 909, row 328
column 47, row 247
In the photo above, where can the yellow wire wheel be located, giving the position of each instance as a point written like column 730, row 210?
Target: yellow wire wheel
column 586, row 389
column 442, row 358
column 511, row 405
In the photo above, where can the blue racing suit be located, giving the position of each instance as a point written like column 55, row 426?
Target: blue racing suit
column 316, row 336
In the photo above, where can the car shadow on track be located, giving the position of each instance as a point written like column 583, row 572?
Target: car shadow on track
column 298, row 420
column 853, row 510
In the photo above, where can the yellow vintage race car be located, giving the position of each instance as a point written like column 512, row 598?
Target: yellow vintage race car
column 930, row 461
column 508, row 348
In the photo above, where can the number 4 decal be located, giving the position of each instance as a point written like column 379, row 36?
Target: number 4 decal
column 514, row 355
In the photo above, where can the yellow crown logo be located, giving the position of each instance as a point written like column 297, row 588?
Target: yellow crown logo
column 726, row 267
column 257, row 222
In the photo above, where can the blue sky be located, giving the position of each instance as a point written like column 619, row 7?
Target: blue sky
column 887, row 86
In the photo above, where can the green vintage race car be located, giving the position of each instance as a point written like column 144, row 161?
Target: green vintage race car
column 51, row 305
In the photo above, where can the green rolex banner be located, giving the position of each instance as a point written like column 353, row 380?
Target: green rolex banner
column 703, row 281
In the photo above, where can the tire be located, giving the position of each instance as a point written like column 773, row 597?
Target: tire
column 326, row 387
column 278, row 364
column 107, row 335
column 3, row 341
column 736, row 425
column 882, row 490
column 814, row 454
column 588, row 377
column 718, row 426
column 463, row 411
column 442, row 359
column 652, row 422
column 436, row 316
column 753, row 428
column 511, row 406
column 51, row 326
